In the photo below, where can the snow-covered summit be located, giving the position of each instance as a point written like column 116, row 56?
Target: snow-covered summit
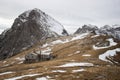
column 43, row 19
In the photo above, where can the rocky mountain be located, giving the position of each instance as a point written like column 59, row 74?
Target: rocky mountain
column 113, row 31
column 86, row 28
column 29, row 28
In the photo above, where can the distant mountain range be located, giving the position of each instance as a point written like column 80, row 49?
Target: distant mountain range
column 113, row 31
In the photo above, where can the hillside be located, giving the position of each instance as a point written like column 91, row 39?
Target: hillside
column 77, row 58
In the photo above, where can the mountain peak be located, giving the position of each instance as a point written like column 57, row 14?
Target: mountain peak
column 86, row 28
column 29, row 28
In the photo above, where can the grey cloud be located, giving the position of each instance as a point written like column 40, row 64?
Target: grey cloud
column 74, row 12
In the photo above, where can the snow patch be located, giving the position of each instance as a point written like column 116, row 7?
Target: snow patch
column 61, row 71
column 80, row 36
column 108, row 53
column 20, row 59
column 77, row 52
column 55, row 42
column 79, row 70
column 77, row 37
column 23, row 20
column 6, row 73
column 112, row 43
column 19, row 77
column 45, row 45
column 47, row 51
column 86, row 55
column 95, row 36
column 59, row 41
column 77, row 64
column 42, row 78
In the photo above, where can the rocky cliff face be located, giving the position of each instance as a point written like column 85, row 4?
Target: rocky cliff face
column 86, row 28
column 29, row 28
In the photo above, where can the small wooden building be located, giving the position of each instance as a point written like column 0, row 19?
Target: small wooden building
column 31, row 57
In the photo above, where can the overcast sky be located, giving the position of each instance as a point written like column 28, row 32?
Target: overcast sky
column 73, row 13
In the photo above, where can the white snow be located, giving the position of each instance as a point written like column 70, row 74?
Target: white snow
column 45, row 20
column 95, row 36
column 55, row 42
column 55, row 26
column 45, row 45
column 6, row 73
column 86, row 55
column 78, row 70
column 61, row 71
column 112, row 43
column 74, row 53
column 76, row 64
column 108, row 53
column 20, row 59
column 19, row 77
column 77, row 52
column 80, row 36
column 23, row 20
column 42, row 78
column 77, row 37
column 59, row 41
column 46, row 51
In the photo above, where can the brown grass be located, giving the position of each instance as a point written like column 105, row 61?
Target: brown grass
column 65, row 53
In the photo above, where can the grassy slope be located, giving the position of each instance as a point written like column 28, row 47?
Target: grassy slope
column 65, row 53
